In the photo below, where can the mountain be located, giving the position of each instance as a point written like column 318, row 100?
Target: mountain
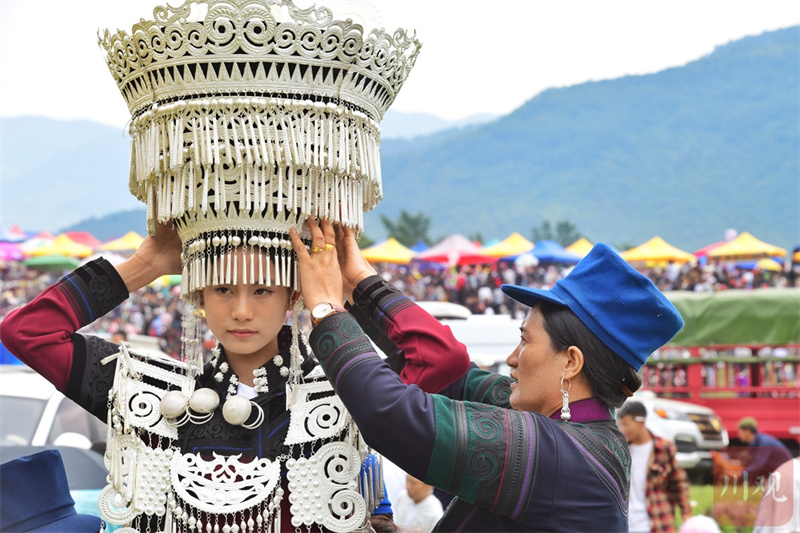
column 55, row 173
column 397, row 125
column 685, row 153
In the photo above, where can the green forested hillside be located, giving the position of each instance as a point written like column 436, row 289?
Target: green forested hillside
column 684, row 153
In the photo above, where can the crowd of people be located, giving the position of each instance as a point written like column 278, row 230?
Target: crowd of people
column 154, row 310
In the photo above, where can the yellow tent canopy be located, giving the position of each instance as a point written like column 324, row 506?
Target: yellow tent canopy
column 129, row 241
column 388, row 251
column 514, row 244
column 745, row 246
column 769, row 264
column 62, row 245
column 581, row 247
column 656, row 251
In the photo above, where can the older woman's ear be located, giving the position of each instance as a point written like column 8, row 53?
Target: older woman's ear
column 573, row 364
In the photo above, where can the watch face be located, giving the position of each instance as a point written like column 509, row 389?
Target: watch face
column 322, row 310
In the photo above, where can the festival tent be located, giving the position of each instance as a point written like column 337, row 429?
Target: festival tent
column 456, row 250
column 420, row 246
column 388, row 251
column 129, row 241
column 581, row 247
column 84, row 237
column 62, row 245
column 702, row 252
column 13, row 234
column 111, row 257
column 547, row 251
column 10, row 251
column 512, row 246
column 657, row 251
column 745, row 246
column 51, row 262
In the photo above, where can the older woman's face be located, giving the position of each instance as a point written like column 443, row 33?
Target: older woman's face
column 536, row 368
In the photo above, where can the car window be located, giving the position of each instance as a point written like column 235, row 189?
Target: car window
column 19, row 418
column 70, row 417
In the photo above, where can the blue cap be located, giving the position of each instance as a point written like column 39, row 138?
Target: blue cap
column 618, row 304
column 35, row 497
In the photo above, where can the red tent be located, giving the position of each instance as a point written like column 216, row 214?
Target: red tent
column 456, row 250
column 85, row 238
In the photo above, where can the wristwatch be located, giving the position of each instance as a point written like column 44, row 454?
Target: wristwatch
column 321, row 310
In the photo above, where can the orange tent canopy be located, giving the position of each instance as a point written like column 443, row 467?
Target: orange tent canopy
column 388, row 251
column 514, row 244
column 745, row 246
column 656, row 251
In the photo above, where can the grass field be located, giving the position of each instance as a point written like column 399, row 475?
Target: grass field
column 726, row 513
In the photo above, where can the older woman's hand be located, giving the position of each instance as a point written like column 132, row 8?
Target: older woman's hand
column 353, row 265
column 320, row 276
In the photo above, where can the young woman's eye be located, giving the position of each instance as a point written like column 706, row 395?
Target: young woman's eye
column 222, row 290
column 262, row 291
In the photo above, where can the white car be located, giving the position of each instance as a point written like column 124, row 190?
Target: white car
column 694, row 429
column 34, row 413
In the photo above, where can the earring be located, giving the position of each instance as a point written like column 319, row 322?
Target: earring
column 565, row 414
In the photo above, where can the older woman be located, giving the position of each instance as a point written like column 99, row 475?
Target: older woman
column 536, row 451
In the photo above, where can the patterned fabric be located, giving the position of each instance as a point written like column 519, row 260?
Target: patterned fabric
column 431, row 358
column 510, row 470
column 487, row 387
column 667, row 487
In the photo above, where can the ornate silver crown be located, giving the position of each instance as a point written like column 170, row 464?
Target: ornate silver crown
column 250, row 115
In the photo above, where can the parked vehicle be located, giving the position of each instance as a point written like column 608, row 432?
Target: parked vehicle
column 694, row 429
column 34, row 413
column 739, row 354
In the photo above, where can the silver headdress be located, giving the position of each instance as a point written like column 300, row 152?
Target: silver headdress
column 250, row 115
column 247, row 116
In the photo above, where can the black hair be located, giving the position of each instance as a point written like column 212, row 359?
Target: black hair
column 612, row 379
column 633, row 409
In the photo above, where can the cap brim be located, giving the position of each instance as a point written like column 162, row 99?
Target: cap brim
column 529, row 296
column 79, row 523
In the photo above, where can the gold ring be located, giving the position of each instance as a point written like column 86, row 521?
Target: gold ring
column 317, row 250
column 329, row 246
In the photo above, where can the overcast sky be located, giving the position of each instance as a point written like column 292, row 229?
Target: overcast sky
column 477, row 56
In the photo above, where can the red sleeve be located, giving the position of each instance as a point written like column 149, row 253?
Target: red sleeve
column 433, row 357
column 40, row 333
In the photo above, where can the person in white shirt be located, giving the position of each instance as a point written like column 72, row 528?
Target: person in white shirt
column 779, row 511
column 417, row 510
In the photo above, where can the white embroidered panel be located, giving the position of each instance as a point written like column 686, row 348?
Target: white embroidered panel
column 139, row 401
column 223, row 485
column 139, row 480
column 316, row 419
column 323, row 489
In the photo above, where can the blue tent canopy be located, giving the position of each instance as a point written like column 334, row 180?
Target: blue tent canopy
column 551, row 252
column 420, row 246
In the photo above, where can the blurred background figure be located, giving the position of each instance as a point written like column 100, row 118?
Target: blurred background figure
column 767, row 452
column 417, row 510
column 779, row 510
column 699, row 524
column 658, row 483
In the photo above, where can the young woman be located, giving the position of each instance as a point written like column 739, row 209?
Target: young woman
column 236, row 433
column 536, row 451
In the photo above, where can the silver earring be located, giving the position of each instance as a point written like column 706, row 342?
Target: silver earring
column 565, row 414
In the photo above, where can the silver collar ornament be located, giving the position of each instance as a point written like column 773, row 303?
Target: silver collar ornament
column 157, row 486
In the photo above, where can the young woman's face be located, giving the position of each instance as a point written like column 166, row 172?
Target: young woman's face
column 246, row 318
column 536, row 368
